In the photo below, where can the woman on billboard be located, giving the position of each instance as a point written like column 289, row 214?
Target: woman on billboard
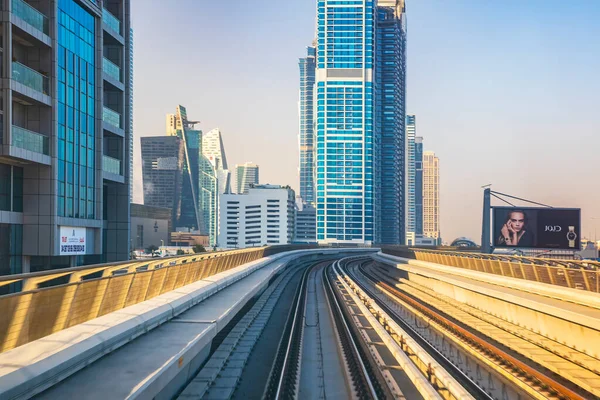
column 515, row 230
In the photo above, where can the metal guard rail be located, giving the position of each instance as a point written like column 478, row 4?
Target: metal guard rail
column 55, row 300
column 574, row 274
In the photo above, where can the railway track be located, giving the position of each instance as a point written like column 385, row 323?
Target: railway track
column 284, row 381
column 525, row 376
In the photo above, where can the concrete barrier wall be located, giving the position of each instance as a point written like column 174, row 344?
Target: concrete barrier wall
column 555, row 319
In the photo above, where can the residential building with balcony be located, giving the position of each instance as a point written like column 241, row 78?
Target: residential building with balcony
column 65, row 111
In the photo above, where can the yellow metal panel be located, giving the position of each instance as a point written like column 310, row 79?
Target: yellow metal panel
column 156, row 283
column 116, row 293
column 45, row 309
column 182, row 275
column 87, row 300
column 139, row 288
column 170, row 279
column 12, row 319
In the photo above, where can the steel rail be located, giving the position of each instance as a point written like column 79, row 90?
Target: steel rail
column 485, row 345
column 349, row 339
column 461, row 377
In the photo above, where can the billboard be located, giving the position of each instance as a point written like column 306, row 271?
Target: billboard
column 72, row 241
column 541, row 228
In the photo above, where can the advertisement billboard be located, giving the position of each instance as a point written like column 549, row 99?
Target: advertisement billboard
column 72, row 241
column 541, row 228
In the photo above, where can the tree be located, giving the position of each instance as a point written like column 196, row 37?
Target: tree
column 180, row 252
column 151, row 249
column 199, row 249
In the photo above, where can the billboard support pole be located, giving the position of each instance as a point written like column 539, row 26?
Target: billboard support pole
column 486, row 247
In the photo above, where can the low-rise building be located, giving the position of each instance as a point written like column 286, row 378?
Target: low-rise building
column 264, row 216
column 190, row 239
column 150, row 226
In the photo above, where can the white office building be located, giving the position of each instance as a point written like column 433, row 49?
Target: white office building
column 264, row 216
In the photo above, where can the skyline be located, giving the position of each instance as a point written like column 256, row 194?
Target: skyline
column 459, row 84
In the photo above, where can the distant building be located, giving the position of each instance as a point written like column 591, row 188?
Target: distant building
column 306, row 222
column 414, row 177
column 214, row 181
column 171, row 171
column 463, row 242
column 190, row 239
column 359, row 131
column 246, row 175
column 307, row 67
column 150, row 226
column 414, row 239
column 431, row 196
column 263, row 216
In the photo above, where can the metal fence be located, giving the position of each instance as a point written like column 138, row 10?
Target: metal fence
column 55, row 300
column 575, row 274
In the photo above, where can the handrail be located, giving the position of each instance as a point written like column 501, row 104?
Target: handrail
column 72, row 296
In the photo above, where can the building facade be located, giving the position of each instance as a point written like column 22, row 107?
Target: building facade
column 162, row 166
column 264, row 216
column 306, row 218
column 66, row 133
column 431, row 196
column 150, row 226
column 359, row 129
column 171, row 171
column 214, row 181
column 246, row 175
column 306, row 113
column 414, row 177
column 390, row 71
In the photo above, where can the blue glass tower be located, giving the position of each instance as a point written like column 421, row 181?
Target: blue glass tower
column 359, row 130
column 346, row 131
column 391, row 99
column 306, row 112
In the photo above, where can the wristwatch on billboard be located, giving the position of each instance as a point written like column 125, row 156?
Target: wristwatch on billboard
column 571, row 236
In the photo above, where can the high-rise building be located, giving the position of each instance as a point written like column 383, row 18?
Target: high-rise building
column 390, row 73
column 162, row 165
column 431, row 196
column 359, row 130
column 214, row 180
column 306, row 138
column 65, row 137
column 246, row 175
column 171, row 171
column 418, row 151
column 265, row 215
column 414, row 177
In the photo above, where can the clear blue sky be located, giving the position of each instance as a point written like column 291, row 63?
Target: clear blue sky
column 506, row 92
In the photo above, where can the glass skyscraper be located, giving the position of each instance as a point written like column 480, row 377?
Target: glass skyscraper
column 414, row 177
column 359, row 127
column 390, row 72
column 306, row 112
column 66, row 123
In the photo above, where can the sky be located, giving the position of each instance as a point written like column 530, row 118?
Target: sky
column 506, row 93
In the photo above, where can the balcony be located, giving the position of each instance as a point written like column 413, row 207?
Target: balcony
column 30, row 15
column 28, row 140
column 111, row 165
column 30, row 78
column 111, row 69
column 112, row 21
column 111, row 117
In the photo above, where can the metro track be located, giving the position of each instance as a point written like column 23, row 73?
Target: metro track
column 284, row 380
column 526, row 377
